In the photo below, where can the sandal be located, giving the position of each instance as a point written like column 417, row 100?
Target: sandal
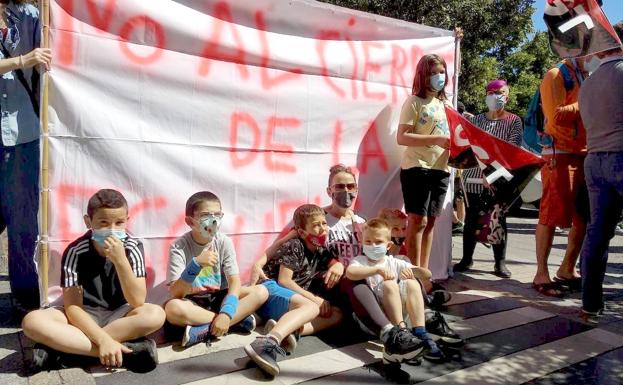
column 550, row 289
column 574, row 284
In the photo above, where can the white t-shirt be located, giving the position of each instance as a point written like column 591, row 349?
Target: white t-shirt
column 375, row 282
column 345, row 235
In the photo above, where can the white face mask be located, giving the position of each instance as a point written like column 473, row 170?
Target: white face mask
column 591, row 65
column 495, row 102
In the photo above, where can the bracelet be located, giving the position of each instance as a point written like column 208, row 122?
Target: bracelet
column 191, row 271
column 21, row 61
column 229, row 305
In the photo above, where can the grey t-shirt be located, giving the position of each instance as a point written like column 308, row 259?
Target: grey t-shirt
column 210, row 279
column 601, row 106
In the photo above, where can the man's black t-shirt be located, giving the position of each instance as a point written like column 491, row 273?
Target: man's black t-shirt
column 83, row 266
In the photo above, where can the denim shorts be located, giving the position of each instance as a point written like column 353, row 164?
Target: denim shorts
column 278, row 302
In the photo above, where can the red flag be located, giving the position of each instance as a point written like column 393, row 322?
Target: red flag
column 505, row 166
column 578, row 28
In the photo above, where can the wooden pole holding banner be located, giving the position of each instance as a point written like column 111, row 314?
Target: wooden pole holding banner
column 45, row 184
column 458, row 36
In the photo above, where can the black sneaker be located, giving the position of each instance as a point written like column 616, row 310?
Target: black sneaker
column 45, row 358
column 263, row 351
column 439, row 330
column 437, row 298
column 432, row 351
column 144, row 356
column 401, row 346
column 462, row 266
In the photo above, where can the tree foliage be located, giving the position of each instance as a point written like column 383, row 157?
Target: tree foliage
column 498, row 42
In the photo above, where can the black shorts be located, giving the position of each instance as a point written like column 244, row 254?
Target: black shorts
column 209, row 301
column 423, row 190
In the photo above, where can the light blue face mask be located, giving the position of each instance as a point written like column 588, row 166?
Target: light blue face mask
column 100, row 235
column 209, row 225
column 375, row 252
column 438, row 82
column 495, row 102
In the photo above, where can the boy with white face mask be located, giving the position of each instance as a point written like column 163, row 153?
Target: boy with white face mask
column 393, row 282
column 202, row 301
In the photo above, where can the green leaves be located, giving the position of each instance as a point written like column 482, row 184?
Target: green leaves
column 499, row 42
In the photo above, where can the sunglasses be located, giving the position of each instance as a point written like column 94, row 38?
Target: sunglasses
column 345, row 186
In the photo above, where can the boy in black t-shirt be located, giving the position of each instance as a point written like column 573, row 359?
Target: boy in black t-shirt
column 297, row 274
column 103, row 304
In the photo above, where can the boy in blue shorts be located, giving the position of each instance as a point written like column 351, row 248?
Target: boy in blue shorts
column 297, row 282
column 204, row 281
column 102, row 312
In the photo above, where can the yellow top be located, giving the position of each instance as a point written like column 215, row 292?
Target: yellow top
column 428, row 117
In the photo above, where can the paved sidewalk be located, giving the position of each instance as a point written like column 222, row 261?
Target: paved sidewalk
column 514, row 335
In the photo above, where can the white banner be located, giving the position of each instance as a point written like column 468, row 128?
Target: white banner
column 253, row 100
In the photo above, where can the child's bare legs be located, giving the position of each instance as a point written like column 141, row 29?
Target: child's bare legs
column 182, row 312
column 427, row 241
column 251, row 298
column 139, row 322
column 321, row 323
column 300, row 312
column 52, row 328
column 419, row 239
column 415, row 302
column 392, row 302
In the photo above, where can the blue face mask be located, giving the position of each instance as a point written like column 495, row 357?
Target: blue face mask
column 438, row 82
column 100, row 235
column 209, row 225
column 375, row 252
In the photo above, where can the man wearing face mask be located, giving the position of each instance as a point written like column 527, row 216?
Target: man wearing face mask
column 601, row 107
column 564, row 201
column 508, row 127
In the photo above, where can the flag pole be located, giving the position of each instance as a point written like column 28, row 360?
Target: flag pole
column 45, row 185
column 458, row 36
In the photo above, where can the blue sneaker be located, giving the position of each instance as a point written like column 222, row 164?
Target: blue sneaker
column 247, row 325
column 195, row 334
column 432, row 351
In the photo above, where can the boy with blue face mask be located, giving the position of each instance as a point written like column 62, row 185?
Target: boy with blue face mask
column 103, row 304
column 394, row 283
column 203, row 276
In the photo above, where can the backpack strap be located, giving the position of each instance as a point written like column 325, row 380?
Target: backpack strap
column 566, row 76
